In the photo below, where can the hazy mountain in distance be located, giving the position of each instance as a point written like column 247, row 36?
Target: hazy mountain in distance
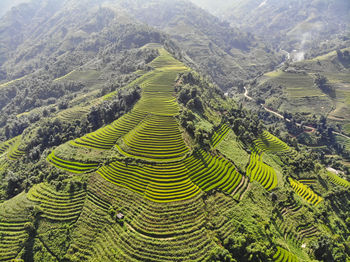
column 290, row 24
column 6, row 5
column 214, row 7
column 219, row 50
column 224, row 52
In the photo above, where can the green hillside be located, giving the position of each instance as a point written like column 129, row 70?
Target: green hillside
column 180, row 197
column 296, row 86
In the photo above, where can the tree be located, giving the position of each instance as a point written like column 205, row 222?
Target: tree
column 322, row 249
column 322, row 83
column 339, row 54
column 320, row 80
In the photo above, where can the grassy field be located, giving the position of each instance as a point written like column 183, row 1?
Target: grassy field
column 239, row 156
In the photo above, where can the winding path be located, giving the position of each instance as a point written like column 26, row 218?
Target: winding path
column 340, row 134
column 246, row 93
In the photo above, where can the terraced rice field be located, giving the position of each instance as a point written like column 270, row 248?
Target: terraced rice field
column 57, row 206
column 150, row 232
column 72, row 166
column 166, row 219
column 296, row 85
column 91, row 222
column 306, row 231
column 224, row 227
column 73, row 114
column 209, row 172
column 308, row 181
column 289, row 209
column 305, row 192
column 161, row 183
column 12, row 148
column 150, row 132
column 283, row 255
column 5, row 146
column 106, row 137
column 301, row 92
column 177, row 180
column 335, row 179
column 287, row 230
column 259, row 171
column 268, row 142
column 219, row 135
column 156, row 138
column 13, row 219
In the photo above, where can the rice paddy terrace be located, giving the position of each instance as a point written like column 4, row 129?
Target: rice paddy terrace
column 257, row 169
column 12, row 149
column 170, row 169
column 153, row 179
column 305, row 192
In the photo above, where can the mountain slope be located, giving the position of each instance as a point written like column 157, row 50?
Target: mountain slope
column 317, row 86
column 190, row 207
